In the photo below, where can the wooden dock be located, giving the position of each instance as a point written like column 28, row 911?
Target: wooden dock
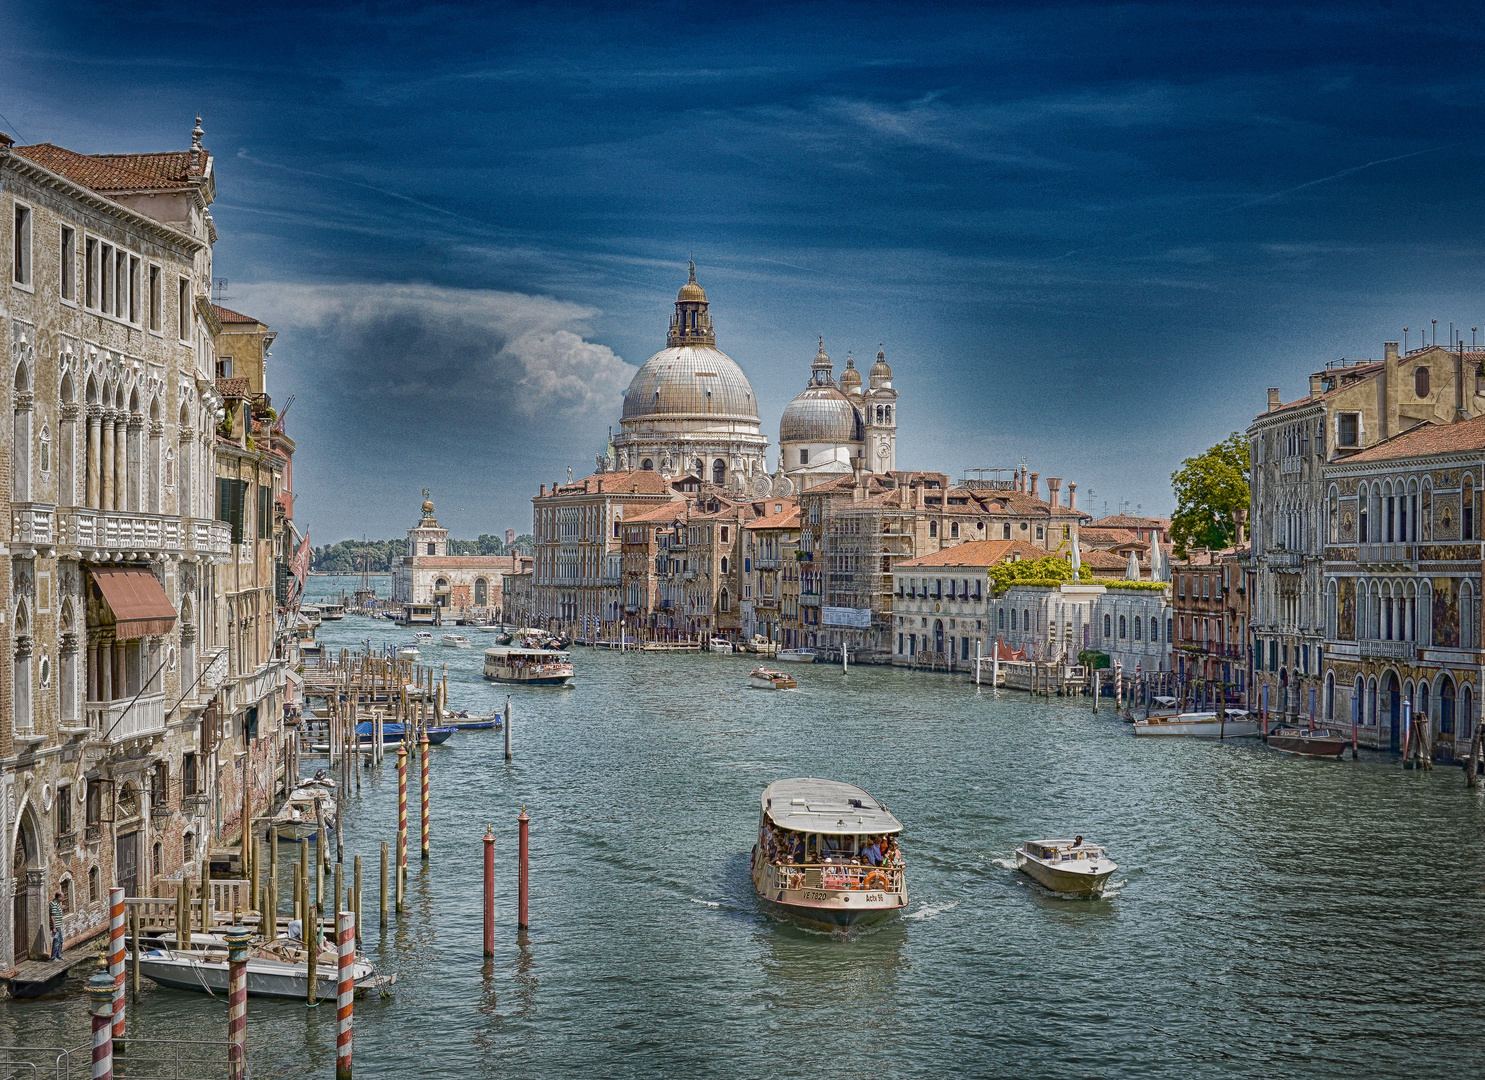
column 37, row 978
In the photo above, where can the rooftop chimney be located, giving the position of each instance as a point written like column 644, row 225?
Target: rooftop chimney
column 1054, row 487
column 543, row 489
column 1273, row 398
column 1390, row 349
column 1032, row 488
column 1072, row 496
column 1315, row 388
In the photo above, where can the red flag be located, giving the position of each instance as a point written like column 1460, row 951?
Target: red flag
column 300, row 566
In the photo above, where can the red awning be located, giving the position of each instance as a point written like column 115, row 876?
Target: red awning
column 138, row 602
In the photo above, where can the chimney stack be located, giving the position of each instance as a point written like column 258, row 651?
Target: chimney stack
column 1054, row 490
column 1032, row 489
column 1389, row 350
column 1273, row 398
column 543, row 489
column 1072, row 496
column 1315, row 388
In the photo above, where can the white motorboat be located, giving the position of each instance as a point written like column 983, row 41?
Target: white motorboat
column 423, row 637
column 1072, row 866
column 278, row 969
column 332, row 612
column 767, row 679
column 532, row 667
column 827, row 854
column 719, row 645
column 455, row 641
column 491, row 628
column 407, row 652
column 795, row 656
column 1234, row 724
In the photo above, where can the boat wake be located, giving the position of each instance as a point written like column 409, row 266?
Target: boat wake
column 933, row 910
column 705, row 903
column 1005, row 864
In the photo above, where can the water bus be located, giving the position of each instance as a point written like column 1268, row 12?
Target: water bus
column 332, row 612
column 531, row 667
column 418, row 615
column 827, row 854
column 1066, row 866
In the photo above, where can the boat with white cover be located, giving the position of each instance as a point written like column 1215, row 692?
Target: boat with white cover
column 528, row 667
column 278, row 969
column 408, row 652
column 827, row 854
column 456, row 641
column 795, row 656
column 1236, row 724
column 1074, row 866
column 720, row 645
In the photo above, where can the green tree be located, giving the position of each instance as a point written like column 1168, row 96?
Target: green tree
column 1048, row 570
column 525, row 544
column 1208, row 488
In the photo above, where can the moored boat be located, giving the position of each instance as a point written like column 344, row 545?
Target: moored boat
column 720, row 645
column 827, row 854
column 1236, row 724
column 795, row 656
column 530, row 667
column 424, row 638
column 332, row 612
column 767, row 679
column 1072, row 866
column 1320, row 742
column 278, row 969
column 456, row 641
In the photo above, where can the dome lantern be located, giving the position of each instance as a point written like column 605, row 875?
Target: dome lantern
column 850, row 379
column 881, row 372
column 691, row 324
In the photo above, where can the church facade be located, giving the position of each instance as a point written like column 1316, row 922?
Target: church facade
column 459, row 584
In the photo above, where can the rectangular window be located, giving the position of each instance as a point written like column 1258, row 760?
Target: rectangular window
column 183, row 309
column 68, row 264
column 156, row 300
column 64, row 810
column 1349, row 433
column 724, row 534
column 265, row 512
column 188, row 774
column 1005, row 531
column 231, row 497
column 21, row 253
column 224, row 367
column 133, row 289
column 1040, row 532
column 105, row 278
column 90, row 272
column 121, row 285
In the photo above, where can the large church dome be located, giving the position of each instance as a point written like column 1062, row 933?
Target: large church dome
column 690, row 380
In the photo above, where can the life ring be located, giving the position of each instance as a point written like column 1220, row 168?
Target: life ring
column 881, row 879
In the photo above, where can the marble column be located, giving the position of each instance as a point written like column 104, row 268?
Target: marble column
column 105, row 461
column 120, row 461
column 93, row 496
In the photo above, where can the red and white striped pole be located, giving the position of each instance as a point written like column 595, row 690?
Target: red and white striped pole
column 523, row 873
column 345, row 998
column 237, row 943
column 116, row 956
column 100, row 991
column 423, row 751
column 490, row 891
column 401, row 820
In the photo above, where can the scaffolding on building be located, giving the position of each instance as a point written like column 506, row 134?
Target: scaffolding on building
column 862, row 543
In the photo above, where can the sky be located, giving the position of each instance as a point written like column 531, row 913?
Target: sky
column 1088, row 237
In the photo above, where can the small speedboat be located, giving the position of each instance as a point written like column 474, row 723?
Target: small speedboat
column 491, row 628
column 407, row 652
column 795, row 656
column 720, row 645
column 1321, row 742
column 1072, row 866
column 455, row 641
column 767, row 679
column 1235, row 724
column 278, row 969
column 423, row 637
column 463, row 721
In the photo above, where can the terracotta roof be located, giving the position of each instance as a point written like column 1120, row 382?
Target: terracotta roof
column 1104, row 560
column 1127, row 521
column 227, row 315
column 665, row 512
column 1358, row 372
column 1427, row 438
column 976, row 553
column 172, row 169
column 236, row 387
column 787, row 519
column 635, row 482
column 1110, row 537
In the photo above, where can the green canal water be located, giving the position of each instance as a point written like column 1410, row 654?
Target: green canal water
column 1272, row 917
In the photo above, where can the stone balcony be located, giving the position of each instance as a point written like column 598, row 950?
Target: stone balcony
column 33, row 525
column 104, row 535
column 116, row 721
column 1390, row 650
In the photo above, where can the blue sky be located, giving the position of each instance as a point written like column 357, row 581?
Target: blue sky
column 1089, row 236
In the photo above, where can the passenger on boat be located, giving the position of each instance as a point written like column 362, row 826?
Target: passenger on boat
column 872, row 853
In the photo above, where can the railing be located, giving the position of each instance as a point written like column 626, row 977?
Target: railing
column 1386, row 553
column 768, row 601
column 1285, row 558
column 117, row 721
column 1394, row 650
column 768, row 563
column 809, row 599
column 1290, row 465
column 32, row 524
column 834, row 876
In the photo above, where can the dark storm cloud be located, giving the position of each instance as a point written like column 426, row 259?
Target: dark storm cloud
column 1090, row 235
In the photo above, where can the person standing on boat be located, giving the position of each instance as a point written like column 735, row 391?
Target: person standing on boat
column 872, row 853
column 54, row 917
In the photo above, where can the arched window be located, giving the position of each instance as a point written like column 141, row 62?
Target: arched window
column 933, row 528
column 1330, row 696
column 1154, row 629
column 1466, row 714
column 1121, row 628
column 1002, row 618
column 1467, row 628
column 1421, row 714
column 1026, row 620
column 481, row 592
column 157, row 859
column 953, row 529
column 724, row 564
column 648, row 465
column 1330, row 609
column 1371, row 701
column 719, row 472
column 1446, row 706
column 1363, row 505
column 1138, row 628
column 1420, row 382
column 1358, row 698
column 1108, row 626
column 94, row 893
column 724, row 602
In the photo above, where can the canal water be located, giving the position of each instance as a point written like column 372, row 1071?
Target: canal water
column 1271, row 917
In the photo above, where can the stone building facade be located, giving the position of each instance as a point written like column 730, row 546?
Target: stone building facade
column 468, row 586
column 127, row 692
column 945, row 603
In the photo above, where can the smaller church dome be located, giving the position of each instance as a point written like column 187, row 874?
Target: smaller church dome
column 850, row 379
column 820, row 414
column 881, row 370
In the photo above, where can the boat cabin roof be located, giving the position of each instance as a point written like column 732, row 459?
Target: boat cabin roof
column 826, row 806
column 1043, row 849
column 505, row 652
column 1165, row 702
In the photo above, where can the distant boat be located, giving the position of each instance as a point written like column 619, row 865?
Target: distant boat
column 1237, row 724
column 424, row 637
column 455, row 641
column 767, row 679
column 720, row 645
column 795, row 656
column 1321, row 742
column 1066, row 866
column 407, row 652
column 331, row 612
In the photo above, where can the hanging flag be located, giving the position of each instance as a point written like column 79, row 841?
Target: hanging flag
column 299, row 566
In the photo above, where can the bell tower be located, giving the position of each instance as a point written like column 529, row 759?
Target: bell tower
column 691, row 324
column 880, row 409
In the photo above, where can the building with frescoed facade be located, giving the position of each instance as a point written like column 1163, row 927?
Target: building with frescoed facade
column 1402, row 586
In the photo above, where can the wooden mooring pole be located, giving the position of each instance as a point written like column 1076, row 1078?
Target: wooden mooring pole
column 523, row 870
column 384, row 885
column 490, row 891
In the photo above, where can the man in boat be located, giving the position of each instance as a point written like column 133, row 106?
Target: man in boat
column 872, row 853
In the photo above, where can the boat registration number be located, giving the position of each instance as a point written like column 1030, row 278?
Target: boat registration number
column 810, row 894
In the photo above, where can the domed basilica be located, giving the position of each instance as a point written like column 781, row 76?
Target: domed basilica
column 690, row 409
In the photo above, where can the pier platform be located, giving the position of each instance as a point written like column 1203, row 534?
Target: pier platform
column 37, row 978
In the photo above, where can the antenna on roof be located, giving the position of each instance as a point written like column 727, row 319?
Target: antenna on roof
column 219, row 291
